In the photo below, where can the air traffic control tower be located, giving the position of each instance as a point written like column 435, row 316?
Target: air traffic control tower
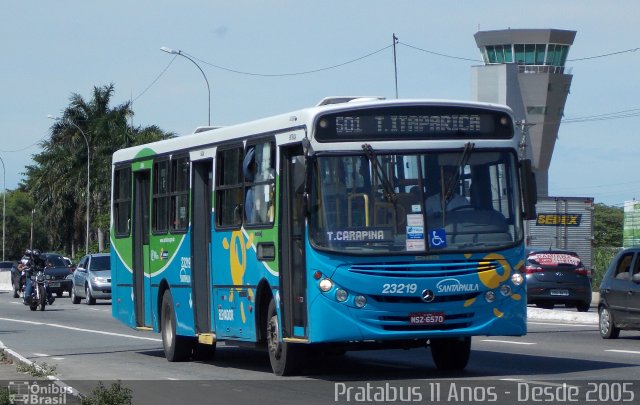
column 525, row 69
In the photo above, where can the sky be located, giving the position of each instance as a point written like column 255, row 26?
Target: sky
column 263, row 58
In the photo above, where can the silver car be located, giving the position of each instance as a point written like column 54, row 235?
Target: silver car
column 92, row 279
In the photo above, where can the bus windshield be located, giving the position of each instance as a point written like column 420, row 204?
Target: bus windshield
column 415, row 203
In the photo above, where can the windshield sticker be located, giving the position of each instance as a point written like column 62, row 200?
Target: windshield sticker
column 416, row 208
column 360, row 235
column 415, row 220
column 415, row 238
column 437, row 238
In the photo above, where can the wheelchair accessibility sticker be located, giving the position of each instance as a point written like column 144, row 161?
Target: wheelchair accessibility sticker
column 437, row 238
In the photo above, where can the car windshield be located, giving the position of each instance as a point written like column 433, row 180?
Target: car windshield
column 55, row 261
column 376, row 202
column 100, row 263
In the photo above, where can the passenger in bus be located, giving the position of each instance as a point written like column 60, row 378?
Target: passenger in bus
column 249, row 170
column 435, row 203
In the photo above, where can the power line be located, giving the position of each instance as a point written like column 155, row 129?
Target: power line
column 438, row 54
column 603, row 55
column 291, row 73
column 155, row 80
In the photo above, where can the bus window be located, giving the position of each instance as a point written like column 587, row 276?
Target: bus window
column 122, row 201
column 229, row 188
column 179, row 194
column 259, row 180
column 160, row 210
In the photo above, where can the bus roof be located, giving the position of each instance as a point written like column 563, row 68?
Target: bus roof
column 295, row 120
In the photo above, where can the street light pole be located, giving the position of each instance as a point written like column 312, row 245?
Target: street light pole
column 86, row 242
column 179, row 52
column 4, row 203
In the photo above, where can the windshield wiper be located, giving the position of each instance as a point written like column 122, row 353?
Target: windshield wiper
column 462, row 162
column 389, row 194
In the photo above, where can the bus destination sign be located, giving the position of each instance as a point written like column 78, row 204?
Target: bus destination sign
column 395, row 123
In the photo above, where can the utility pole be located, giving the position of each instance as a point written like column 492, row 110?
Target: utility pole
column 395, row 65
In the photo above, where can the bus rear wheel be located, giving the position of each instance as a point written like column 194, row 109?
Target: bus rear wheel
column 285, row 358
column 451, row 354
column 176, row 348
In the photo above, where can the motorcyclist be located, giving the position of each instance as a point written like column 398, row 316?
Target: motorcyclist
column 33, row 262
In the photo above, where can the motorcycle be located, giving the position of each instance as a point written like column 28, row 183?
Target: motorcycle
column 38, row 297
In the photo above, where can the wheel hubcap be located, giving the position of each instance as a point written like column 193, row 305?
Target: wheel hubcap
column 274, row 337
column 605, row 321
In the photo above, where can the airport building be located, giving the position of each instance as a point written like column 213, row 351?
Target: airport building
column 525, row 69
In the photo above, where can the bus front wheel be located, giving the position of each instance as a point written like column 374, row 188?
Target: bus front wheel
column 285, row 358
column 176, row 348
column 451, row 354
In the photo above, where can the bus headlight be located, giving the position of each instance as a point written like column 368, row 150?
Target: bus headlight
column 341, row 295
column 517, row 279
column 360, row 301
column 326, row 284
column 490, row 296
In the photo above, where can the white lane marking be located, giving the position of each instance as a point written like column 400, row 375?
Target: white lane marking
column 623, row 351
column 536, row 382
column 99, row 332
column 511, row 342
column 40, row 355
column 575, row 325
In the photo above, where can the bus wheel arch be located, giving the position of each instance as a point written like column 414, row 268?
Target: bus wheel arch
column 262, row 299
column 164, row 285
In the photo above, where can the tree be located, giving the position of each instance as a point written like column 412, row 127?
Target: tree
column 607, row 226
column 57, row 179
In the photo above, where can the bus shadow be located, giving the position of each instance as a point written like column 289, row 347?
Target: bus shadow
column 392, row 365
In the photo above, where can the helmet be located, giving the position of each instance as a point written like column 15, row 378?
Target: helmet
column 36, row 252
column 27, row 252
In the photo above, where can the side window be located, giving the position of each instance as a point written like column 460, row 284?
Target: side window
column 122, row 201
column 179, row 194
column 623, row 267
column 160, row 204
column 228, row 202
column 636, row 268
column 258, row 167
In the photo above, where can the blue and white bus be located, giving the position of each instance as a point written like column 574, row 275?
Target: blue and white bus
column 354, row 224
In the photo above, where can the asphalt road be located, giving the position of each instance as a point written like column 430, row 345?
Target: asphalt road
column 86, row 345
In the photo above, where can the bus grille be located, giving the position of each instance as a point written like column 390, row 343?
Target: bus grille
column 417, row 300
column 425, row 270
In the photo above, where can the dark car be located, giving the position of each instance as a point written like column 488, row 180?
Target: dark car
column 619, row 306
column 92, row 279
column 56, row 271
column 557, row 277
column 6, row 266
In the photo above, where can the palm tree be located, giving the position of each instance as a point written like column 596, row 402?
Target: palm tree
column 57, row 180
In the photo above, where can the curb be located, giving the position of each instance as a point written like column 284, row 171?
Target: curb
column 19, row 359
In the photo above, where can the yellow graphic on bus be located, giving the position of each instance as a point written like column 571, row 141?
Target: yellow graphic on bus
column 237, row 248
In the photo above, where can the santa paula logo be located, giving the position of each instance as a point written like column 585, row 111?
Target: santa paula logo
column 451, row 285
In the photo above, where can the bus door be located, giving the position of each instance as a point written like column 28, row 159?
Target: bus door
column 293, row 305
column 141, row 195
column 202, row 176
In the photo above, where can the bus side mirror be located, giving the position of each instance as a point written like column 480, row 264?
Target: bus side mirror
column 529, row 189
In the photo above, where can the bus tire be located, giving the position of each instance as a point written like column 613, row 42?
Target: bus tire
column 451, row 354
column 285, row 358
column 176, row 348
